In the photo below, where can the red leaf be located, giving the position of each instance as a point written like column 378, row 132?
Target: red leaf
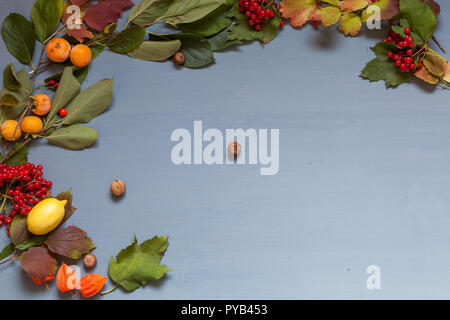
column 105, row 12
column 78, row 2
column 38, row 263
column 69, row 242
column 80, row 34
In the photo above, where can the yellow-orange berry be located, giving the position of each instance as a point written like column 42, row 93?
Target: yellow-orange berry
column 31, row 124
column 80, row 55
column 43, row 104
column 58, row 50
column 7, row 129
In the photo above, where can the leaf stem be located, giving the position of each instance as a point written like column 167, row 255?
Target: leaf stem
column 110, row 290
column 18, row 148
column 438, row 44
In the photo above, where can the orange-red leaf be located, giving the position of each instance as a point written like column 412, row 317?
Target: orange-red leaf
column 353, row 5
column 299, row 11
column 426, row 76
column 80, row 34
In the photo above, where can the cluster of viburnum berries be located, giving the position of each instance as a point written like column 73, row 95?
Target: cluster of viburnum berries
column 25, row 187
column 404, row 57
column 258, row 11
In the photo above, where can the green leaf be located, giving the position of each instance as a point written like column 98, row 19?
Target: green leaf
column 382, row 48
column 10, row 78
column 74, row 137
column 33, row 242
column 68, row 88
column 78, row 72
column 220, row 41
column 211, row 24
column 182, row 11
column 18, row 34
column 89, row 103
column 420, row 17
column 25, row 82
column 18, row 158
column 7, row 251
column 69, row 209
column 382, row 68
column 135, row 265
column 155, row 50
column 401, row 31
column 19, row 230
column 71, row 242
column 38, row 263
column 46, row 15
column 198, row 53
column 127, row 40
column 148, row 11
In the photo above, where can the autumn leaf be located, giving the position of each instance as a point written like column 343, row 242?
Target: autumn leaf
column 105, row 12
column 388, row 9
column 435, row 64
column 80, row 34
column 69, row 209
column 353, row 5
column 117, row 6
column 426, row 76
column 299, row 11
column 328, row 15
column 78, row 2
column 446, row 76
column 70, row 242
column 38, row 263
column 19, row 230
column 350, row 23
column 135, row 265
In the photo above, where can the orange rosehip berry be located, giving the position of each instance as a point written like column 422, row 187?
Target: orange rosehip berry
column 8, row 128
column 58, row 50
column 43, row 106
column 31, row 124
column 80, row 55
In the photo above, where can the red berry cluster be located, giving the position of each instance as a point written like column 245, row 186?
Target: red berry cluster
column 25, row 187
column 403, row 58
column 258, row 11
column 53, row 83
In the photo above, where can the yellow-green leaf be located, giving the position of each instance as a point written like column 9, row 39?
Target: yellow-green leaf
column 426, row 76
column 353, row 5
column 350, row 23
column 328, row 15
column 435, row 63
column 299, row 11
column 446, row 76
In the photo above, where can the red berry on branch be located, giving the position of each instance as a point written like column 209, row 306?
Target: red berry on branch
column 63, row 112
column 407, row 30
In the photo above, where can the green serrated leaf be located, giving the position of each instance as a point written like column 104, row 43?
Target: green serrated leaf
column 381, row 68
column 220, row 41
column 209, row 25
column 19, row 37
column 17, row 158
column 420, row 17
column 46, row 15
column 73, row 137
column 137, row 264
column 197, row 53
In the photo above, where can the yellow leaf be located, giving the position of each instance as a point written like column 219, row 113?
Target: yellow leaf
column 435, row 63
column 426, row 76
column 388, row 9
column 353, row 5
column 333, row 2
column 446, row 76
column 298, row 10
column 328, row 15
column 350, row 24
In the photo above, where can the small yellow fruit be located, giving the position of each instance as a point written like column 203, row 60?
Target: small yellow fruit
column 8, row 128
column 31, row 124
column 46, row 216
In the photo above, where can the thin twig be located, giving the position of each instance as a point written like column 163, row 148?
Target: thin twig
column 15, row 150
column 438, row 44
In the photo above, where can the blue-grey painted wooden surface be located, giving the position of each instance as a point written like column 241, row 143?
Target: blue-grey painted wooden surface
column 364, row 174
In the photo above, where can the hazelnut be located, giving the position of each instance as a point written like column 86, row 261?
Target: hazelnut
column 90, row 260
column 118, row 187
column 234, row 149
column 178, row 58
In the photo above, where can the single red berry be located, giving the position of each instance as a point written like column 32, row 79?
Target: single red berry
column 62, row 112
column 409, row 52
column 390, row 54
column 407, row 30
column 51, row 82
column 398, row 63
column 390, row 21
column 56, row 85
column 8, row 220
column 281, row 23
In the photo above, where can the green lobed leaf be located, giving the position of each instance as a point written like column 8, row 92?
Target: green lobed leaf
column 382, row 48
column 420, row 17
column 7, row 251
column 38, row 263
column 89, row 103
column 155, row 50
column 401, row 31
column 209, row 25
column 220, row 41
column 148, row 11
column 33, row 242
column 73, row 137
column 19, row 230
column 181, row 11
column 382, row 68
column 46, row 15
column 18, row 158
column 19, row 37
column 10, row 78
column 135, row 265
column 127, row 40
column 70, row 242
column 68, row 88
